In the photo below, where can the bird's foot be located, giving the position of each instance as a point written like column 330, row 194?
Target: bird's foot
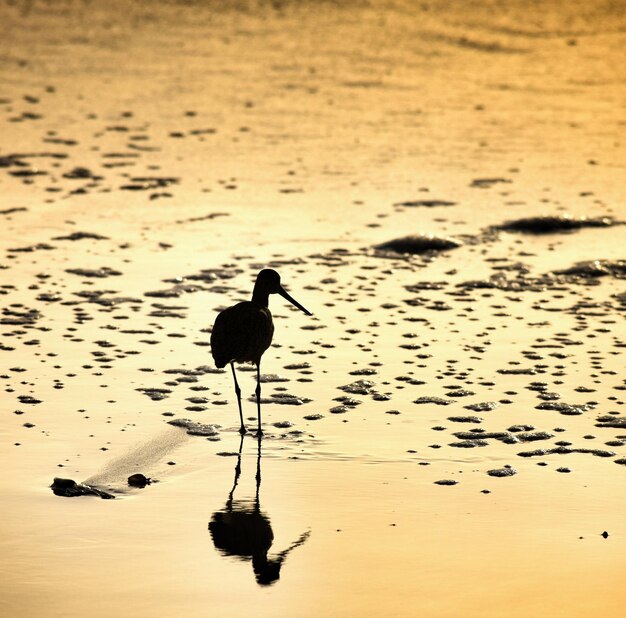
column 243, row 430
column 259, row 433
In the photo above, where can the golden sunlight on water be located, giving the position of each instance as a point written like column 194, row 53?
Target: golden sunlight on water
column 440, row 184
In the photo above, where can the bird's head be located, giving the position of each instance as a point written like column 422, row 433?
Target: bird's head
column 268, row 280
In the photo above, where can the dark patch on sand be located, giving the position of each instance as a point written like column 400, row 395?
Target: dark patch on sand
column 425, row 203
column 551, row 224
column 94, row 273
column 418, row 244
column 81, row 236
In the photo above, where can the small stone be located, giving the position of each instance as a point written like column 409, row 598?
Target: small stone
column 502, row 472
column 138, row 480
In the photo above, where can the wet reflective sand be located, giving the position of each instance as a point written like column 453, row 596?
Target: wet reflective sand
column 442, row 189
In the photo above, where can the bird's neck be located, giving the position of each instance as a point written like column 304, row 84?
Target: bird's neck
column 260, row 296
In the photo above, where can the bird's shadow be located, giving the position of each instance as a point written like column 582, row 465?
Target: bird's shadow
column 243, row 531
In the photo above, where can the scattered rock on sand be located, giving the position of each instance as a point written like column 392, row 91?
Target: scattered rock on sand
column 596, row 268
column 486, row 183
column 79, row 173
column 68, row 488
column 425, row 203
column 437, row 400
column 465, row 419
column 156, row 394
column 194, row 428
column 501, row 472
column 569, row 409
column 485, row 406
column 360, row 387
column 139, row 480
column 98, row 273
column 617, row 422
column 271, row 378
column 81, row 236
column 285, row 399
column 283, row 424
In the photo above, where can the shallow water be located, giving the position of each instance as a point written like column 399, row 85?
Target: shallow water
column 153, row 162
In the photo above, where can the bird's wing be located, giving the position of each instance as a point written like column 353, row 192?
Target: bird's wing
column 242, row 332
column 227, row 336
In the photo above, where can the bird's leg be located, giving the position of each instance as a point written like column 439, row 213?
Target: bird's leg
column 258, row 398
column 242, row 429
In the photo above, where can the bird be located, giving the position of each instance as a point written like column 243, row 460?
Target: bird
column 243, row 332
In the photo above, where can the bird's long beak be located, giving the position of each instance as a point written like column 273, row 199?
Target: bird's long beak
column 293, row 301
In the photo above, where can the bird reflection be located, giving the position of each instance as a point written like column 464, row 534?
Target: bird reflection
column 243, row 531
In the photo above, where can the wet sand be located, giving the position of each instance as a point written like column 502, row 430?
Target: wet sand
column 443, row 189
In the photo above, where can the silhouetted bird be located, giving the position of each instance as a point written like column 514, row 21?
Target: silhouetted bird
column 243, row 531
column 244, row 331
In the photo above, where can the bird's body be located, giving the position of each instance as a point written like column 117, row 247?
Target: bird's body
column 243, row 332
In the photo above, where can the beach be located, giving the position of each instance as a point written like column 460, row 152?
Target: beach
column 440, row 184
